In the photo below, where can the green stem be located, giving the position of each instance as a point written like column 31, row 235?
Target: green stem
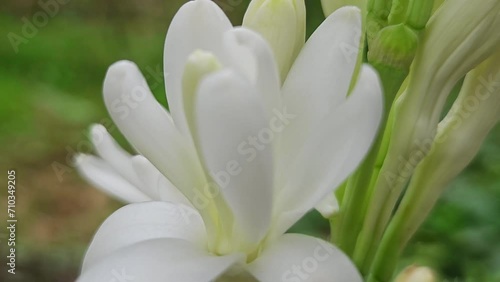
column 415, row 206
column 362, row 256
column 352, row 211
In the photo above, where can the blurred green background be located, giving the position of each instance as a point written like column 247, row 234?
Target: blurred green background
column 50, row 92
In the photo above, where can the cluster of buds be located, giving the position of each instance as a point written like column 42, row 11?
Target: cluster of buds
column 422, row 50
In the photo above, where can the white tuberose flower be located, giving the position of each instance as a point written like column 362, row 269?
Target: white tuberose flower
column 248, row 156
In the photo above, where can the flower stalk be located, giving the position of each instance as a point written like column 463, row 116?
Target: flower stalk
column 434, row 72
column 391, row 53
column 457, row 141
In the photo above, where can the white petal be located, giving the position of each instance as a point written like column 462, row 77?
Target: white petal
column 228, row 114
column 100, row 174
column 141, row 222
column 320, row 78
column 159, row 260
column 197, row 25
column 252, row 56
column 155, row 184
column 111, row 152
column 335, row 148
column 297, row 257
column 322, row 72
column 328, row 206
column 148, row 126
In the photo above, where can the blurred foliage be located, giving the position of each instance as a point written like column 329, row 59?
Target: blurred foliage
column 51, row 92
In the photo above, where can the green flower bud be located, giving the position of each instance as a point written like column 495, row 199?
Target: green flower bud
column 379, row 8
column 459, row 36
column 394, row 46
column 419, row 12
column 459, row 137
column 392, row 53
column 283, row 24
column 398, row 11
column 377, row 14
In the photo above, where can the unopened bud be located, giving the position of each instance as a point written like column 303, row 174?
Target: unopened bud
column 283, row 24
column 419, row 12
column 394, row 46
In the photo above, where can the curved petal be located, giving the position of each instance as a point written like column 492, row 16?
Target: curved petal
column 335, row 148
column 230, row 119
column 155, row 184
column 197, row 25
column 107, row 148
column 149, row 128
column 141, row 222
column 101, row 175
column 159, row 260
column 320, row 78
column 297, row 257
column 252, row 56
